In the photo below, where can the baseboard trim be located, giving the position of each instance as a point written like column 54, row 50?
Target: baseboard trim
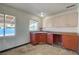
column 13, row 47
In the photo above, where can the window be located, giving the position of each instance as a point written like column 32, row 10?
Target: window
column 1, row 25
column 33, row 25
column 7, row 25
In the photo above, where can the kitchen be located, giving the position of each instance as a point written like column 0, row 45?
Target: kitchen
column 50, row 25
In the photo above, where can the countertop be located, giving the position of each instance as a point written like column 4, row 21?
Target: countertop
column 70, row 33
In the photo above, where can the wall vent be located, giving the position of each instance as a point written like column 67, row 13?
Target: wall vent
column 71, row 6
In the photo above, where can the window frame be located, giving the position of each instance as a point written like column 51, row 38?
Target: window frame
column 3, row 25
column 4, row 22
column 37, row 25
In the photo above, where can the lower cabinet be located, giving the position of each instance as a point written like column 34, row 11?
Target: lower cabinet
column 78, row 45
column 38, row 38
column 33, row 38
column 41, row 38
column 70, row 41
column 67, row 40
column 50, row 38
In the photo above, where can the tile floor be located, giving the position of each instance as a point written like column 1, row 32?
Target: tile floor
column 41, row 49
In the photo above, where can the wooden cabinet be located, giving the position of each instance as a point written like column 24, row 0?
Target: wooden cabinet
column 78, row 45
column 38, row 38
column 33, row 38
column 41, row 37
column 69, row 41
column 72, row 19
column 68, row 19
column 50, row 38
column 59, row 21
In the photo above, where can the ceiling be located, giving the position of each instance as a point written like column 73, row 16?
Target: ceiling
column 37, row 8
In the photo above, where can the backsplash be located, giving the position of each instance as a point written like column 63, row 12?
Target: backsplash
column 61, row 29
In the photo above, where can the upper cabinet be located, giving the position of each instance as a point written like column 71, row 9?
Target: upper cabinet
column 72, row 19
column 59, row 21
column 66, row 19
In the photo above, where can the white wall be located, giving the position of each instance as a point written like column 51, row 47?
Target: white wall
column 47, row 26
column 62, row 29
column 78, row 28
column 22, row 28
column 78, row 20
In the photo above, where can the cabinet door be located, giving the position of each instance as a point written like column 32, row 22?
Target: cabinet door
column 43, row 37
column 59, row 21
column 69, row 41
column 33, row 38
column 37, row 37
column 50, row 38
column 72, row 19
column 78, row 45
